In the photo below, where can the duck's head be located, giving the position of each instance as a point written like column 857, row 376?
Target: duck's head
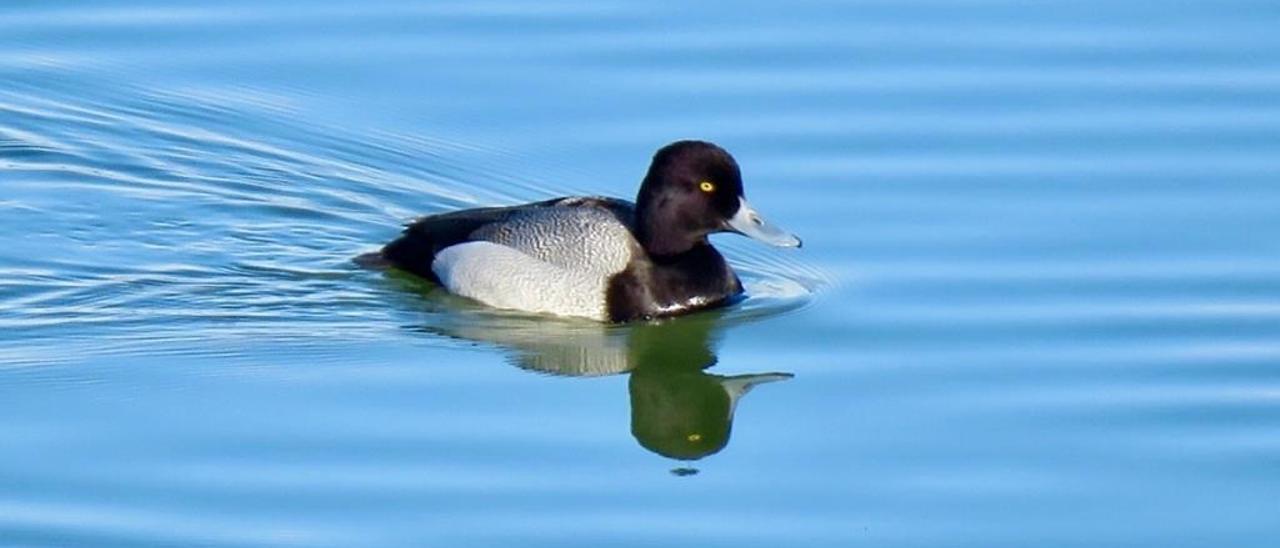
column 693, row 189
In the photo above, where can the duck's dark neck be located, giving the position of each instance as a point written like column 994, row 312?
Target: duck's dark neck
column 661, row 230
column 667, row 245
column 695, row 254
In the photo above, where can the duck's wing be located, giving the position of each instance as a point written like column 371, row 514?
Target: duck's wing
column 422, row 239
column 577, row 234
column 553, row 257
column 554, row 260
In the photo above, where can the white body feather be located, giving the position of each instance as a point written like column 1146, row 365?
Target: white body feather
column 555, row 260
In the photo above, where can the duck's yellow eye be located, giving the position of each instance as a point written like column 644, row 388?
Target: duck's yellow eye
column 694, row 437
column 707, row 186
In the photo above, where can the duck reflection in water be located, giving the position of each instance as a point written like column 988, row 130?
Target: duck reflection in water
column 678, row 409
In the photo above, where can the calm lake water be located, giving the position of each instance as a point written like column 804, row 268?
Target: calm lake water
column 1038, row 302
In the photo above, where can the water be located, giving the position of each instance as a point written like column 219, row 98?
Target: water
column 1038, row 301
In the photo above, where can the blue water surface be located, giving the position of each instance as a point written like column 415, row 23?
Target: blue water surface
column 1038, row 302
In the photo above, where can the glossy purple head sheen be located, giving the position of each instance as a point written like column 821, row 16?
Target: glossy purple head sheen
column 692, row 189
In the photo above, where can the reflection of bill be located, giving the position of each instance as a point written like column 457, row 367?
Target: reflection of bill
column 677, row 409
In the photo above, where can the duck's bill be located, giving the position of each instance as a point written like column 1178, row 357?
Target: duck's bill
column 748, row 222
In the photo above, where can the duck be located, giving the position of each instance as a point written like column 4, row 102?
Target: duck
column 595, row 257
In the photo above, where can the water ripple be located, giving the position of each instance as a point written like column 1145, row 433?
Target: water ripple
column 219, row 230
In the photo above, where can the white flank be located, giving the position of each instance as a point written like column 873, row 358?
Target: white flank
column 503, row 277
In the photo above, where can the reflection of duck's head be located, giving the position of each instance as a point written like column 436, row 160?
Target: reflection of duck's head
column 677, row 409
column 687, row 414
